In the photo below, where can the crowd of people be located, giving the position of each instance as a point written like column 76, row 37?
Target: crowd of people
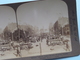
column 50, row 41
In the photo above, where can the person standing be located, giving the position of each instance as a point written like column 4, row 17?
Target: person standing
column 18, row 52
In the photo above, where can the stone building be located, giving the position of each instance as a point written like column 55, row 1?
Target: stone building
column 66, row 30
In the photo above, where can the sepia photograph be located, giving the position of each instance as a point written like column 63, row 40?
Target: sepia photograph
column 7, row 28
column 35, row 29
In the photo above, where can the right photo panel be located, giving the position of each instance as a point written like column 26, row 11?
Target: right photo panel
column 43, row 28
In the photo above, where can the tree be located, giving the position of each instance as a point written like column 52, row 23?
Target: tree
column 18, row 34
column 7, row 34
column 57, row 28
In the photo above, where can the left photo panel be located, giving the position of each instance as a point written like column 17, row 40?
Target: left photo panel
column 7, row 28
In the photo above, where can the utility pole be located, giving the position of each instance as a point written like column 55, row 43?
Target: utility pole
column 18, row 30
column 40, row 46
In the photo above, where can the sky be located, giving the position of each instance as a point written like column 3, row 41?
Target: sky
column 42, row 13
column 78, row 20
column 77, row 1
column 7, row 15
